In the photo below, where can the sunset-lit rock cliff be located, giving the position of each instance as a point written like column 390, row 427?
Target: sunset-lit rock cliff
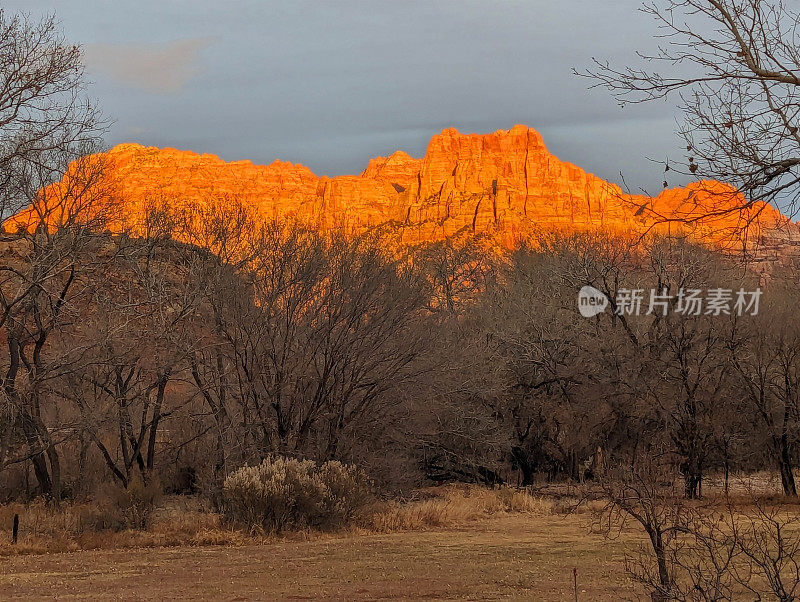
column 505, row 184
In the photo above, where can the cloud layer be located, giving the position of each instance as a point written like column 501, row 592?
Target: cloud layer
column 157, row 68
column 332, row 84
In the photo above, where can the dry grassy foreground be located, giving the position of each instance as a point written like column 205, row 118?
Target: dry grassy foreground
column 451, row 543
column 503, row 556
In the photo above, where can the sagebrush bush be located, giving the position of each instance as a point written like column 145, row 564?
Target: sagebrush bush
column 285, row 493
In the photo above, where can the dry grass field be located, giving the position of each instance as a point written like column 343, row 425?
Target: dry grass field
column 450, row 543
column 447, row 543
column 502, row 556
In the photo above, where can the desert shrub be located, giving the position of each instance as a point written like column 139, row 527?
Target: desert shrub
column 285, row 493
column 348, row 492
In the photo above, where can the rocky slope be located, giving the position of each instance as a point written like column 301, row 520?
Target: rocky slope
column 505, row 184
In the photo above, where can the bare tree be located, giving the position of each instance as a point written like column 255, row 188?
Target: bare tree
column 144, row 312
column 459, row 270
column 765, row 355
column 715, row 550
column 48, row 271
column 550, row 405
column 644, row 492
column 45, row 118
column 224, row 233
column 734, row 68
column 46, row 125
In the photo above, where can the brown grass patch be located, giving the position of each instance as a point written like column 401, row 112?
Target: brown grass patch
column 83, row 526
column 451, row 505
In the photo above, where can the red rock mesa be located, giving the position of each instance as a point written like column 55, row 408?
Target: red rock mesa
column 505, row 184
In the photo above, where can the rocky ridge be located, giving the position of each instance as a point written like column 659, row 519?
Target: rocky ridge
column 505, row 184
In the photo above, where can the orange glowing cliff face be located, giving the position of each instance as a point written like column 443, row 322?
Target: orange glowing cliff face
column 505, row 184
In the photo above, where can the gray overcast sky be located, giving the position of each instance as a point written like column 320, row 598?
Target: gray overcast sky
column 331, row 84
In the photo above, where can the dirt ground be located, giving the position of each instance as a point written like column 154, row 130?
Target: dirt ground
column 502, row 557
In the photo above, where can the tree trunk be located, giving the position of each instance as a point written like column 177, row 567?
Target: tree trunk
column 153, row 435
column 785, row 466
column 665, row 581
column 38, row 457
column 525, row 467
column 27, row 420
column 574, row 472
column 42, row 475
column 785, row 458
column 692, row 475
column 727, row 474
column 82, row 483
column 692, row 481
column 55, row 473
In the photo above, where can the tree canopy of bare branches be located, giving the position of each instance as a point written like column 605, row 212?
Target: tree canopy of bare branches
column 733, row 67
column 46, row 119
